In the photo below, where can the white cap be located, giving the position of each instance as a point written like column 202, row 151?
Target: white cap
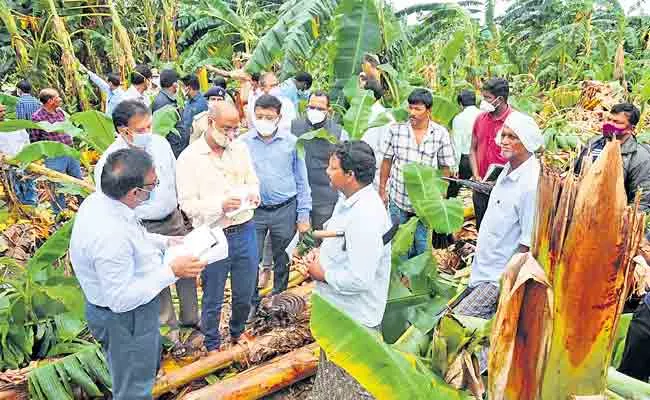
column 526, row 129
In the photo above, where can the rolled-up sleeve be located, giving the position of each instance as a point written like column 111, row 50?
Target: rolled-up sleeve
column 302, row 187
column 365, row 248
column 123, row 290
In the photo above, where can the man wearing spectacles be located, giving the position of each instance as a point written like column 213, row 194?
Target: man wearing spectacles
column 159, row 213
column 215, row 177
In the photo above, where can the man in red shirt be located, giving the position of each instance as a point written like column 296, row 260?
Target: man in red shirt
column 485, row 150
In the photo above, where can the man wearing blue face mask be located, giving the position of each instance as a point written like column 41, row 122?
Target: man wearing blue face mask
column 160, row 213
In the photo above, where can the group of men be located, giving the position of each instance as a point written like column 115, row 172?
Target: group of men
column 151, row 191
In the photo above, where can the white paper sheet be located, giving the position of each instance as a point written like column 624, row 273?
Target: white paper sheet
column 207, row 244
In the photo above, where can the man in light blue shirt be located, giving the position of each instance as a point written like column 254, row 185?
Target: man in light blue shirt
column 121, row 270
column 284, row 187
column 297, row 88
column 160, row 213
column 352, row 272
column 111, row 89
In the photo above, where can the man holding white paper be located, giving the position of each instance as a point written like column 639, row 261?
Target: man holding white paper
column 284, row 186
column 215, row 178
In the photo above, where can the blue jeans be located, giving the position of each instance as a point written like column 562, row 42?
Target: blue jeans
column 397, row 215
column 65, row 165
column 242, row 265
column 131, row 342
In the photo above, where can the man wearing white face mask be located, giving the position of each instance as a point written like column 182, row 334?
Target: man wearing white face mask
column 269, row 84
column 159, row 214
column 284, row 187
column 317, row 153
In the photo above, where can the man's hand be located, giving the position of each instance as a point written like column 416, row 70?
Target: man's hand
column 231, row 204
column 384, row 195
column 303, row 227
column 187, row 266
column 254, row 199
column 313, row 265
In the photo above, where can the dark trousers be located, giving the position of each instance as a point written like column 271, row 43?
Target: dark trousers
column 320, row 213
column 480, row 201
column 242, row 265
column 65, row 165
column 131, row 342
column 174, row 225
column 464, row 172
column 281, row 223
column 636, row 356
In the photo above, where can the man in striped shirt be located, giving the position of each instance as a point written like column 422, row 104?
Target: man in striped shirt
column 27, row 104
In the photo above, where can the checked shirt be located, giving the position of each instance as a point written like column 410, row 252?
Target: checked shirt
column 36, row 135
column 399, row 144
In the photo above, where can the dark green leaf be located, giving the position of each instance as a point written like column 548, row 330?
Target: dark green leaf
column 45, row 149
column 357, row 117
column 165, row 120
column 403, row 240
column 68, row 326
column 317, row 134
column 99, row 132
column 50, row 251
column 443, row 110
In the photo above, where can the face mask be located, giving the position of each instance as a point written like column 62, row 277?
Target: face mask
column 610, row 130
column 316, row 116
column 487, row 106
column 142, row 140
column 265, row 127
column 149, row 195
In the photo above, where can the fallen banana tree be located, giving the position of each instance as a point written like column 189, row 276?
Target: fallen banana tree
column 265, row 379
column 562, row 307
column 256, row 350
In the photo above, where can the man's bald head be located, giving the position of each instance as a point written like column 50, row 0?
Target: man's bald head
column 50, row 98
column 223, row 111
column 269, row 81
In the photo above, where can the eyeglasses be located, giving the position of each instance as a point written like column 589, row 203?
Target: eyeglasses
column 152, row 185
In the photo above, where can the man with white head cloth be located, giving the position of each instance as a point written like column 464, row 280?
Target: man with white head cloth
column 507, row 227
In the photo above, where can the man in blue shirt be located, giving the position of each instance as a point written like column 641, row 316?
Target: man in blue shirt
column 195, row 102
column 27, row 104
column 111, row 88
column 121, row 270
column 284, row 187
column 297, row 88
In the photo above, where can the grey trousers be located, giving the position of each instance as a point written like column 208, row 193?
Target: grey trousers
column 174, row 225
column 131, row 342
column 281, row 226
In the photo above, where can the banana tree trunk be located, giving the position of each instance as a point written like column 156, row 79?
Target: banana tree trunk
column 22, row 59
column 122, row 50
column 50, row 174
column 261, row 381
column 169, row 52
column 73, row 84
column 223, row 359
column 150, row 18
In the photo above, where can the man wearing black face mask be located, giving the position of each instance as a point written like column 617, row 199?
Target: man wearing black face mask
column 317, row 153
column 620, row 124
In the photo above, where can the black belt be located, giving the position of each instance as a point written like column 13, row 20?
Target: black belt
column 276, row 206
column 164, row 219
column 231, row 230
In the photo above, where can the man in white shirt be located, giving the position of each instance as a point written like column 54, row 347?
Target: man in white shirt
column 140, row 83
column 159, row 214
column 508, row 223
column 462, row 127
column 121, row 270
column 215, row 177
column 269, row 84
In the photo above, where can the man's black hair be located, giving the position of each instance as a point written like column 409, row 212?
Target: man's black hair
column 632, row 112
column 140, row 74
column 167, row 78
column 421, row 96
column 192, row 81
column 321, row 93
column 268, row 101
column 377, row 90
column 498, row 87
column 358, row 157
column 24, row 86
column 304, row 77
column 466, row 98
column 220, row 81
column 255, row 76
column 124, row 170
column 114, row 78
column 126, row 110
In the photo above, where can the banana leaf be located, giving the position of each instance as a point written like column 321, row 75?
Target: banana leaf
column 403, row 240
column 17, row 124
column 357, row 117
column 99, row 131
column 619, row 341
column 626, row 387
column 427, row 191
column 381, row 369
column 357, row 30
column 45, row 149
column 9, row 102
column 451, row 50
column 50, row 251
column 317, row 134
column 165, row 120
column 443, row 110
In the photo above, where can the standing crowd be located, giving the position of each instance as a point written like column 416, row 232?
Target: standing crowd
column 154, row 190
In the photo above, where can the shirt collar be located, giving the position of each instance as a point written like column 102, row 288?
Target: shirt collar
column 280, row 134
column 120, row 209
column 430, row 129
column 515, row 174
column 350, row 201
column 503, row 115
column 168, row 95
column 203, row 146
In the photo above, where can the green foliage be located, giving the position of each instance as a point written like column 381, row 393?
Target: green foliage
column 165, row 120
column 98, row 129
column 45, row 149
column 357, row 118
column 318, row 134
